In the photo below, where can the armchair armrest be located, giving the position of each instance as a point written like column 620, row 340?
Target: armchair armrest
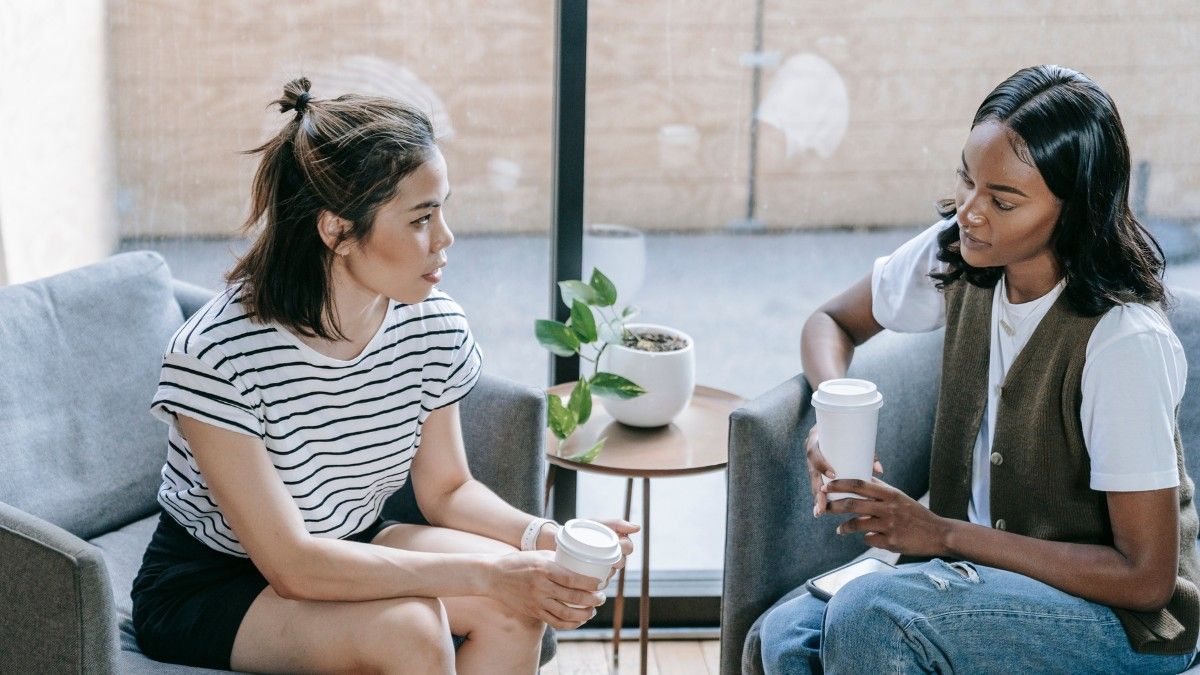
column 772, row 542
column 56, row 605
column 502, row 426
column 504, row 430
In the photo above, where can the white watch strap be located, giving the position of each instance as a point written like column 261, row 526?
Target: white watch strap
column 529, row 539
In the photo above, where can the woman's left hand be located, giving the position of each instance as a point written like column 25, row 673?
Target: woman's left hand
column 623, row 529
column 891, row 519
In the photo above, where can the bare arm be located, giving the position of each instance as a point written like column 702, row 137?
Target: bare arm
column 269, row 526
column 450, row 497
column 833, row 331
column 1137, row 572
column 253, row 499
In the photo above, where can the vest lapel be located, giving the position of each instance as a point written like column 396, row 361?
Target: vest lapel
column 962, row 399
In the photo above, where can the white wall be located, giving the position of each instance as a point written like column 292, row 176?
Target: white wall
column 56, row 205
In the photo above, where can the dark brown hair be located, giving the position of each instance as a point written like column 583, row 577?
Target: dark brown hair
column 345, row 156
column 1068, row 128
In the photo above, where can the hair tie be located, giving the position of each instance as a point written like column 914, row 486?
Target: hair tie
column 302, row 102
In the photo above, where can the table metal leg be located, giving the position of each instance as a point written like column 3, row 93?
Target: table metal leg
column 551, row 473
column 619, row 603
column 565, row 483
column 644, row 609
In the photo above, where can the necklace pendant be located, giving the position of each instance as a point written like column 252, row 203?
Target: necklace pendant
column 1008, row 329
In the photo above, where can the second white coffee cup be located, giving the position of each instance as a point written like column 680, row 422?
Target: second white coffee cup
column 588, row 548
column 847, row 418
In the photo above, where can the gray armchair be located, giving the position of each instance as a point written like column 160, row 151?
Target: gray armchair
column 773, row 543
column 80, row 457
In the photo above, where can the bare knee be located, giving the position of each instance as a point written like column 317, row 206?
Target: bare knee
column 496, row 621
column 412, row 635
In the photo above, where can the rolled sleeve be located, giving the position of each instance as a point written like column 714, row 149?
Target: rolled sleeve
column 188, row 386
column 454, row 381
column 903, row 296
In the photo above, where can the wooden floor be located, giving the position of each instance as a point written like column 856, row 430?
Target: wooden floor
column 666, row 657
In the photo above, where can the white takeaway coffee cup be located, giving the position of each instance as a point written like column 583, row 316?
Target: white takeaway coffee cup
column 588, row 548
column 847, row 417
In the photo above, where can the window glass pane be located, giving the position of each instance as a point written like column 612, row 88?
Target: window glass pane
column 190, row 83
column 767, row 170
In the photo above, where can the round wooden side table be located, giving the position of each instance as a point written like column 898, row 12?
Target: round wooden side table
column 695, row 442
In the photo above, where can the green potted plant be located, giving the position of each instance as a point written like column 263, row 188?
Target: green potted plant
column 594, row 326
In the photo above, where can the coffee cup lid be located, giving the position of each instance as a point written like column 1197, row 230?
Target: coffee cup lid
column 589, row 540
column 847, row 393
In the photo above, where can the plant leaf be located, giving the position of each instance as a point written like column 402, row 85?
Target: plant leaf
column 615, row 386
column 606, row 292
column 560, row 420
column 589, row 455
column 556, row 337
column 577, row 290
column 581, row 401
column 583, row 322
column 630, row 312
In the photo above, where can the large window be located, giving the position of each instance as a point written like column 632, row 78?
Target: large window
column 765, row 152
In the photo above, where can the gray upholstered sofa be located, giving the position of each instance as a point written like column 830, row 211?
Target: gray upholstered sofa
column 773, row 544
column 80, row 458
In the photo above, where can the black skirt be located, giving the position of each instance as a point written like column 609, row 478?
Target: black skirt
column 189, row 600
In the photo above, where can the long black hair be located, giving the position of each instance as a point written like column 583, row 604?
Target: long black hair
column 1067, row 127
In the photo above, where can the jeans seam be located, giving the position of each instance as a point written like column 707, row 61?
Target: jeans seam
column 1014, row 612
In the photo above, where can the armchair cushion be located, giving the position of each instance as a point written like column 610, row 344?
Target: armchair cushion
column 77, row 446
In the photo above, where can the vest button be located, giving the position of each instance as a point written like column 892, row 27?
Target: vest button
column 1000, row 525
column 997, row 459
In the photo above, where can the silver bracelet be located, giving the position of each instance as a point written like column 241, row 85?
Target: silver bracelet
column 532, row 530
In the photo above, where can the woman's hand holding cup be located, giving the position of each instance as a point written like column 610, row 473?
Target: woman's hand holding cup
column 532, row 583
column 818, row 466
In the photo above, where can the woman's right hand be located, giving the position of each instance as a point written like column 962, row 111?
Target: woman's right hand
column 531, row 583
column 818, row 466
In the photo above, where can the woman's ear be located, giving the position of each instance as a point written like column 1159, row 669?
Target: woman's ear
column 331, row 228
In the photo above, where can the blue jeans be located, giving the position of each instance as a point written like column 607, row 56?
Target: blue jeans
column 941, row 617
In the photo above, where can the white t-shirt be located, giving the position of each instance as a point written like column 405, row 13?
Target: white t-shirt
column 1133, row 376
column 341, row 434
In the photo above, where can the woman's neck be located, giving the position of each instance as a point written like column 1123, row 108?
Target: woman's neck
column 358, row 312
column 1031, row 279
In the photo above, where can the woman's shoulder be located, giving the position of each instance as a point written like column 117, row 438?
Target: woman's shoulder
column 438, row 310
column 1129, row 322
column 223, row 319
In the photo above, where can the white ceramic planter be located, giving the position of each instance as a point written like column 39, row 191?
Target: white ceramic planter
column 668, row 378
column 620, row 253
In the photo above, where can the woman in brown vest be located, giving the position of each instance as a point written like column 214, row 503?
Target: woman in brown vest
column 1057, row 483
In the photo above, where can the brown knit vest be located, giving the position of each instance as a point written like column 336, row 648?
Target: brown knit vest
column 1040, row 468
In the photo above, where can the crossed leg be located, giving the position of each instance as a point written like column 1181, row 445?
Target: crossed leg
column 395, row 635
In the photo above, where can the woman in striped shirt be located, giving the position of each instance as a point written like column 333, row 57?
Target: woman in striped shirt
column 297, row 401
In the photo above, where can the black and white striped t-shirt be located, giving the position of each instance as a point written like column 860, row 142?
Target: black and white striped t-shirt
column 341, row 434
